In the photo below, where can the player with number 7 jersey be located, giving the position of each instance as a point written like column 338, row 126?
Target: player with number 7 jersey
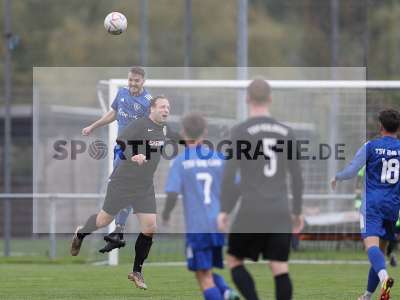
column 196, row 175
column 381, row 198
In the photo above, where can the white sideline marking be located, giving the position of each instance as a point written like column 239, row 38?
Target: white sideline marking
column 328, row 262
column 294, row 262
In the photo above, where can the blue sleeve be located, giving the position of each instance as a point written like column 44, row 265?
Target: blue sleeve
column 351, row 170
column 114, row 105
column 174, row 180
column 148, row 97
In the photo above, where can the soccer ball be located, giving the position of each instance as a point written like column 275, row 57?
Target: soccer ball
column 115, row 23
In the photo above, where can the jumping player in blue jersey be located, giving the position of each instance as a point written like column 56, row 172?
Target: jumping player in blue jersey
column 381, row 200
column 196, row 174
column 131, row 103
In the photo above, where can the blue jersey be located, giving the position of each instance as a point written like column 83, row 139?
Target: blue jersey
column 130, row 107
column 198, row 180
column 382, row 187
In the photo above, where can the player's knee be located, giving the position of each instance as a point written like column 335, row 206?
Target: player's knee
column 103, row 219
column 371, row 241
column 278, row 267
column 150, row 228
column 233, row 261
column 100, row 222
column 205, row 279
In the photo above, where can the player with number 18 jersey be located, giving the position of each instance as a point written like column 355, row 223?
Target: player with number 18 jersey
column 380, row 208
column 382, row 187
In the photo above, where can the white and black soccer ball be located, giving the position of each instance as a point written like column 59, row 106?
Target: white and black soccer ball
column 115, row 23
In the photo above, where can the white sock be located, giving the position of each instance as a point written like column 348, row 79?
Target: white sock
column 367, row 295
column 226, row 294
column 383, row 275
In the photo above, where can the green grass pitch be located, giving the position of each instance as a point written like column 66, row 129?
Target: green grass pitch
column 86, row 281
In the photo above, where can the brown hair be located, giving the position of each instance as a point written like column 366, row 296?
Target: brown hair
column 153, row 101
column 259, row 91
column 194, row 125
column 137, row 70
column 390, row 120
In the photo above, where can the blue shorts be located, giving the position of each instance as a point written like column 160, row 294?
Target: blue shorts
column 374, row 225
column 204, row 259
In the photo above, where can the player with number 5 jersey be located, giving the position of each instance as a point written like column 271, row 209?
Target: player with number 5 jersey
column 381, row 198
column 265, row 155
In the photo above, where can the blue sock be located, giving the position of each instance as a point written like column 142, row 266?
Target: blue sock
column 373, row 281
column 220, row 283
column 122, row 216
column 212, row 294
column 376, row 258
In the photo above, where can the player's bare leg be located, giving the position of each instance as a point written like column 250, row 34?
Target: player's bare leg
column 148, row 224
column 210, row 288
column 207, row 285
column 93, row 223
column 143, row 244
column 205, row 279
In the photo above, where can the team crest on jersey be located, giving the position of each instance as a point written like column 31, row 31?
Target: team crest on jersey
column 136, row 106
column 165, row 130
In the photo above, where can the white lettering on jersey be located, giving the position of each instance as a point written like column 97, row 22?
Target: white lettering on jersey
column 122, row 113
column 380, row 151
column 156, row 143
column 201, row 163
column 268, row 127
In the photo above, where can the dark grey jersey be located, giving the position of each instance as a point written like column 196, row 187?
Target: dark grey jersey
column 141, row 136
column 263, row 155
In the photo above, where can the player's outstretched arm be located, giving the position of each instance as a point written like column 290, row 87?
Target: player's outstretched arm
column 106, row 119
column 352, row 169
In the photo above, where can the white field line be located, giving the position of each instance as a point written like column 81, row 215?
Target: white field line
column 293, row 262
